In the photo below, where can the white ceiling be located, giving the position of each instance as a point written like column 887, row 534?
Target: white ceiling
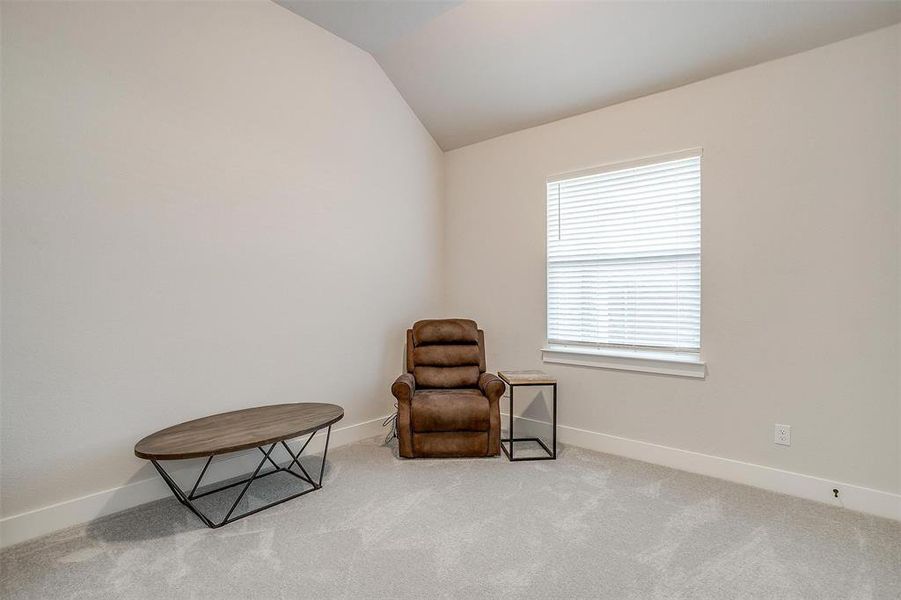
column 474, row 70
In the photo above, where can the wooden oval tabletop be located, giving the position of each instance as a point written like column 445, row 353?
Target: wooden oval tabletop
column 237, row 430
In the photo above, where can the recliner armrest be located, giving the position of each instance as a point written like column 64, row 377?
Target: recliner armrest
column 491, row 385
column 403, row 387
column 493, row 388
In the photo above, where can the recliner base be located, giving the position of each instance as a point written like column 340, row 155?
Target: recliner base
column 450, row 444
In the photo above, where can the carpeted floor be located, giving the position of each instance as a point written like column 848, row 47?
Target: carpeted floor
column 589, row 525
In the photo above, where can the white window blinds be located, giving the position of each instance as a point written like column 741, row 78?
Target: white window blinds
column 624, row 256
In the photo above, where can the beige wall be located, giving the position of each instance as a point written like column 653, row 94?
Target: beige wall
column 205, row 206
column 800, row 218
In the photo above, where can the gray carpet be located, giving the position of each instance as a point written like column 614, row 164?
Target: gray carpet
column 589, row 525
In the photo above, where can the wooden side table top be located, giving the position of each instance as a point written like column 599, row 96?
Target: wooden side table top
column 237, row 430
column 528, row 377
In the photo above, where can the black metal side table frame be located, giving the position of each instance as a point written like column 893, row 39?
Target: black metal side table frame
column 188, row 498
column 551, row 453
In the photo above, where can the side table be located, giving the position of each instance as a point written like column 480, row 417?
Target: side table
column 530, row 379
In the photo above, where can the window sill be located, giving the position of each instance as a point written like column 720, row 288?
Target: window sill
column 683, row 365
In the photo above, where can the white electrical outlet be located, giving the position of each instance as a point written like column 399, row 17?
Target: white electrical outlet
column 783, row 435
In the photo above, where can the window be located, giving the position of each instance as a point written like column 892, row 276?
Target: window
column 624, row 257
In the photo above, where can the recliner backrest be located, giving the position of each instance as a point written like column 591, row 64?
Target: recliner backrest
column 446, row 353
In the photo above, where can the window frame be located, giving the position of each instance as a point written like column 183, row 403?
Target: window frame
column 662, row 361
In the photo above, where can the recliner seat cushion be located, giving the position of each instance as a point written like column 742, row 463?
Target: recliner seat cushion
column 449, row 410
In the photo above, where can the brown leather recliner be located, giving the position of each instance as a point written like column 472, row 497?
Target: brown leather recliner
column 447, row 405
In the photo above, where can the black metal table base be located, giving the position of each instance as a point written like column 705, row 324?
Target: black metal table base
column 510, row 441
column 539, row 441
column 188, row 498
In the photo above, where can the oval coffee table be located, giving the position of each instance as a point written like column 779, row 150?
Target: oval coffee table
column 262, row 427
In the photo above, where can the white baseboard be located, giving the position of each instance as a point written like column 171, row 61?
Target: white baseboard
column 852, row 497
column 35, row 523
column 25, row 526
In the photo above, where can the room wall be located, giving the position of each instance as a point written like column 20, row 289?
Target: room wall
column 800, row 274
column 206, row 206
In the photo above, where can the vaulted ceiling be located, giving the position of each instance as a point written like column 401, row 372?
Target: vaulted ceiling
column 474, row 70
